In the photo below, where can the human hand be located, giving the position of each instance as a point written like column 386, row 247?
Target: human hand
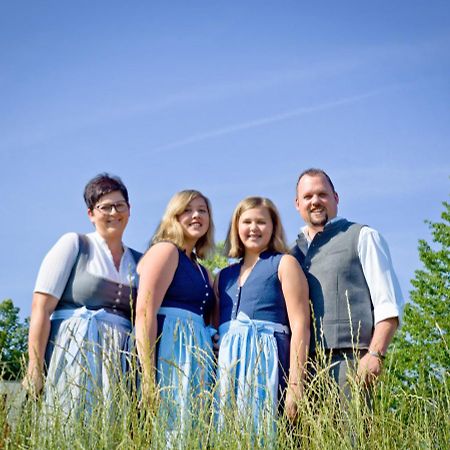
column 291, row 403
column 33, row 383
column 149, row 400
column 369, row 369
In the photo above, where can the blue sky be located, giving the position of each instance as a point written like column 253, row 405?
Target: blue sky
column 233, row 98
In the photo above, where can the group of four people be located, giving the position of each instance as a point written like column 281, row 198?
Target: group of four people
column 90, row 287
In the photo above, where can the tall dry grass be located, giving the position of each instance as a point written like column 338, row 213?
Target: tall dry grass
column 395, row 418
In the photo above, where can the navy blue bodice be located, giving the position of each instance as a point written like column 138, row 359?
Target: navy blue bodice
column 190, row 289
column 261, row 296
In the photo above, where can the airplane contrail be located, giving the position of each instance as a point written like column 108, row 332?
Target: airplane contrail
column 265, row 121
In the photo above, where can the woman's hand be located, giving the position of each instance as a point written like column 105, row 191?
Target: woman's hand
column 293, row 396
column 33, row 383
column 150, row 394
column 41, row 309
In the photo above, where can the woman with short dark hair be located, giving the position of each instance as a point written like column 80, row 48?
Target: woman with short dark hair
column 82, row 304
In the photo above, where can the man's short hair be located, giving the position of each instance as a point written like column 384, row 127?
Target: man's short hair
column 313, row 172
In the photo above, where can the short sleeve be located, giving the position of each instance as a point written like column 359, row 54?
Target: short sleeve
column 56, row 266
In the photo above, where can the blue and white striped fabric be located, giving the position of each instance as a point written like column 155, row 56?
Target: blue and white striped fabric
column 248, row 369
column 185, row 365
column 87, row 358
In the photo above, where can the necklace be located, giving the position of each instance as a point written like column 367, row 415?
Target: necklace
column 195, row 262
column 201, row 272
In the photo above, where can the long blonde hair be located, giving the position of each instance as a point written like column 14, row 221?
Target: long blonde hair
column 233, row 244
column 169, row 229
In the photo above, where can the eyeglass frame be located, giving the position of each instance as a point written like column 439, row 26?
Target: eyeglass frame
column 111, row 206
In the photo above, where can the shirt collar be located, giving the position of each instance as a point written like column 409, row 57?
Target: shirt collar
column 96, row 236
column 304, row 229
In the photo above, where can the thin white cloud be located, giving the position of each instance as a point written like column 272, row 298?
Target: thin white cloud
column 262, row 81
column 256, row 123
column 53, row 125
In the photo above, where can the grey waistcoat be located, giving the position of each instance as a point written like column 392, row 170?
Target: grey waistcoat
column 338, row 290
column 85, row 289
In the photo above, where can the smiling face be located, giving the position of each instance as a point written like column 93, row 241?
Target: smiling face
column 112, row 225
column 316, row 201
column 255, row 228
column 194, row 220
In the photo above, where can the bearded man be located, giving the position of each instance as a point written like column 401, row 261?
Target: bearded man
column 354, row 292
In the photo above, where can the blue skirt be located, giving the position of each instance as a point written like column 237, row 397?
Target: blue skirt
column 248, row 370
column 185, row 365
column 85, row 358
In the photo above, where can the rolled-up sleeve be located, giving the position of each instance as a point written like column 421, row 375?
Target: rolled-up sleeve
column 56, row 266
column 376, row 262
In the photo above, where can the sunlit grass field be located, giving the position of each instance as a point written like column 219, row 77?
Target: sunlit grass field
column 397, row 418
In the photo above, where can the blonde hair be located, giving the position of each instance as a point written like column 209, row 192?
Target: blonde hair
column 233, row 244
column 169, row 229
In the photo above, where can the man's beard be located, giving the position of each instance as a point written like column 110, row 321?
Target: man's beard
column 318, row 222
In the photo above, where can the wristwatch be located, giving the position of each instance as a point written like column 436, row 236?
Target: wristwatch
column 376, row 354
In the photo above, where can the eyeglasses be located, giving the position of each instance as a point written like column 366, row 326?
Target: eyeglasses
column 107, row 208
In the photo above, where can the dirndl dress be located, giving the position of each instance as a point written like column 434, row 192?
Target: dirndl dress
column 253, row 360
column 185, row 360
column 248, row 370
column 185, row 366
column 87, row 359
column 88, row 341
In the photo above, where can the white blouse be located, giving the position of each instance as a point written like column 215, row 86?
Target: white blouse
column 58, row 263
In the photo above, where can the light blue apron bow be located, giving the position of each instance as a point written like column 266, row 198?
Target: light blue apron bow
column 87, row 330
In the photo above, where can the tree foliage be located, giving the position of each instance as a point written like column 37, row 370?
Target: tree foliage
column 13, row 340
column 423, row 342
column 218, row 260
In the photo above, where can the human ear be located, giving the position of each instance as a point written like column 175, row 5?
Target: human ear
column 90, row 214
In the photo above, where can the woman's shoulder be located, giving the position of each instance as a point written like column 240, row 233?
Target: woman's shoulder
column 167, row 246
column 70, row 236
column 67, row 243
column 164, row 246
column 159, row 252
column 229, row 270
column 227, row 275
column 289, row 264
column 286, row 258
